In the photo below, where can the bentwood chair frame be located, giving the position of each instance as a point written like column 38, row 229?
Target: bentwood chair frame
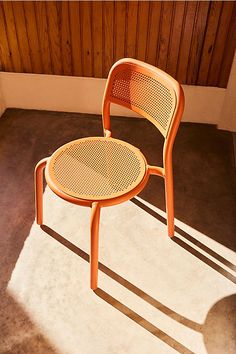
column 155, row 95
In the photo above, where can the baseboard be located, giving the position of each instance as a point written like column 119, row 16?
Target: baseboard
column 79, row 94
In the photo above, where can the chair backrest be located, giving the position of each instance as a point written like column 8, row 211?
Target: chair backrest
column 146, row 90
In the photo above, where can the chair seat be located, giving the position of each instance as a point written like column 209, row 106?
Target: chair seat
column 96, row 168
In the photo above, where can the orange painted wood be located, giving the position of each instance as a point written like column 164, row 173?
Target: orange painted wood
column 54, row 36
column 65, row 38
column 132, row 15
column 165, row 34
column 197, row 41
column 220, row 42
column 75, row 29
column 120, row 29
column 192, row 40
column 153, row 35
column 190, row 12
column 209, row 42
column 108, row 43
column 86, row 37
column 5, row 54
column 42, row 25
column 97, row 35
column 174, row 45
column 12, row 36
column 229, row 49
column 142, row 30
column 20, row 24
column 31, row 28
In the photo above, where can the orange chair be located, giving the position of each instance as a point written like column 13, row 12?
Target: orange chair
column 103, row 171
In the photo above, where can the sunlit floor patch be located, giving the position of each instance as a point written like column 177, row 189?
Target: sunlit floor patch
column 154, row 295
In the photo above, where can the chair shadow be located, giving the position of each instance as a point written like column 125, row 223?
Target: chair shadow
column 192, row 250
column 134, row 289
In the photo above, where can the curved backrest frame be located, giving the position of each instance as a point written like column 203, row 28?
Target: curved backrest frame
column 149, row 90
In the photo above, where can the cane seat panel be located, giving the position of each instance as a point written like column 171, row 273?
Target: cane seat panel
column 96, row 168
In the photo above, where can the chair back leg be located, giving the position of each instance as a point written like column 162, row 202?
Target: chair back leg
column 169, row 196
column 38, row 185
column 94, row 234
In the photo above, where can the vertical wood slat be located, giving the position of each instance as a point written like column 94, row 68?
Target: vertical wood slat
column 86, row 37
column 142, row 30
column 97, row 38
column 75, row 37
column 197, row 41
column 54, row 36
column 65, row 38
column 165, row 34
column 229, row 50
column 12, row 36
column 213, row 18
column 119, row 30
column 131, row 28
column 5, row 54
column 194, row 41
column 221, row 39
column 32, row 33
column 42, row 25
column 152, row 42
column 19, row 15
column 108, row 48
column 186, row 40
column 174, row 45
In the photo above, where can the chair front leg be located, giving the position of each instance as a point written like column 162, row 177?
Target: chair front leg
column 94, row 234
column 38, row 185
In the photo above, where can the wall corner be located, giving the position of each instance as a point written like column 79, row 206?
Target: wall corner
column 228, row 113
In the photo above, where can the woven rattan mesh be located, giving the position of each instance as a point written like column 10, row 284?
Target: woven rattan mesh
column 97, row 168
column 145, row 93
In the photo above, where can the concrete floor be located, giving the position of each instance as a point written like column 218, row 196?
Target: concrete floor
column 155, row 295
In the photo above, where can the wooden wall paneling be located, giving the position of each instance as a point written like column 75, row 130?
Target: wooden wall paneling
column 229, row 51
column 97, row 38
column 86, row 38
column 142, row 30
column 32, row 34
column 209, row 41
column 190, row 12
column 221, row 39
column 42, row 25
column 54, row 37
column 197, row 41
column 174, row 45
column 120, row 29
column 165, row 34
column 12, row 36
column 75, row 29
column 65, row 38
column 153, row 35
column 108, row 23
column 20, row 24
column 131, row 28
column 5, row 54
column 194, row 41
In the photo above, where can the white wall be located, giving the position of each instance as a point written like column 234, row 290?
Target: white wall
column 79, row 94
column 2, row 101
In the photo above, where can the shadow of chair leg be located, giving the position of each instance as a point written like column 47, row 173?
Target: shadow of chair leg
column 125, row 283
column 148, row 326
column 192, row 250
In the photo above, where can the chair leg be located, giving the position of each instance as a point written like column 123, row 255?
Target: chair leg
column 38, row 185
column 169, row 195
column 94, row 230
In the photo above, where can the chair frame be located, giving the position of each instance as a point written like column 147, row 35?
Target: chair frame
column 166, row 171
